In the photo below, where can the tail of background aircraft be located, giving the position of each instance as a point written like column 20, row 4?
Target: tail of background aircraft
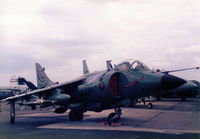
column 42, row 78
column 85, row 67
column 22, row 81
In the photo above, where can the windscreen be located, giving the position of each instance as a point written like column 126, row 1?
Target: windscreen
column 131, row 65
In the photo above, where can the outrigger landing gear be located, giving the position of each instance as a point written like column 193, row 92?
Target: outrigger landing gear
column 150, row 105
column 114, row 117
column 12, row 112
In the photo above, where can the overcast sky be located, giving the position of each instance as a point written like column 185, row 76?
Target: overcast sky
column 59, row 34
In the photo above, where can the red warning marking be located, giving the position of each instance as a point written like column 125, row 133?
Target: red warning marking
column 101, row 86
column 112, row 124
column 104, row 123
column 133, row 83
column 116, row 124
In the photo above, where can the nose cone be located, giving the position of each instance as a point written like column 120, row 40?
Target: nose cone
column 188, row 89
column 169, row 82
column 190, row 86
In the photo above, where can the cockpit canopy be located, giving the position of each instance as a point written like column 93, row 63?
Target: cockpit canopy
column 131, row 65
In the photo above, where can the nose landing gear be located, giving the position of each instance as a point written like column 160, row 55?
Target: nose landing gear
column 114, row 117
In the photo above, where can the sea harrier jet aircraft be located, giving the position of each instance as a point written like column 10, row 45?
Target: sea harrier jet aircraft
column 97, row 91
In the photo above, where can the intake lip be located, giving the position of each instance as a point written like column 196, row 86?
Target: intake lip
column 169, row 82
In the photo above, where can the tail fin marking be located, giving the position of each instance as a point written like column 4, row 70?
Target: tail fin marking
column 42, row 78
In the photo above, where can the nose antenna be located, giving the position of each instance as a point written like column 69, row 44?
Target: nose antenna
column 181, row 70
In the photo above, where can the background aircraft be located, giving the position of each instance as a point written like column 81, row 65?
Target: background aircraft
column 30, row 85
column 13, row 89
column 97, row 91
column 187, row 90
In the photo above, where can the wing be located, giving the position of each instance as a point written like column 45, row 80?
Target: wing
column 67, row 86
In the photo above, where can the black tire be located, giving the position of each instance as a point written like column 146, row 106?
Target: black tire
column 116, row 120
column 158, row 98
column 75, row 116
column 12, row 120
column 110, row 118
column 60, row 110
column 71, row 116
column 150, row 106
column 79, row 116
column 183, row 98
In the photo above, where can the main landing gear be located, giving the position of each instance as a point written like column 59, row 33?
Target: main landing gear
column 114, row 117
column 75, row 116
column 183, row 98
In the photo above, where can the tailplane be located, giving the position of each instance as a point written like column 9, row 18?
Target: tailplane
column 42, row 78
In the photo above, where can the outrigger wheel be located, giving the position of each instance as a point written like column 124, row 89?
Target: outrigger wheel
column 75, row 116
column 114, row 117
column 150, row 105
column 12, row 119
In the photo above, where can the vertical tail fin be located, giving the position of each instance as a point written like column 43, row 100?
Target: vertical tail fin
column 42, row 78
column 85, row 67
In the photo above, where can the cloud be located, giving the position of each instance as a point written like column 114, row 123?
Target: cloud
column 59, row 34
column 190, row 50
column 15, row 62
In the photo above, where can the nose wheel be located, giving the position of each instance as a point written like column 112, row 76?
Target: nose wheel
column 114, row 117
